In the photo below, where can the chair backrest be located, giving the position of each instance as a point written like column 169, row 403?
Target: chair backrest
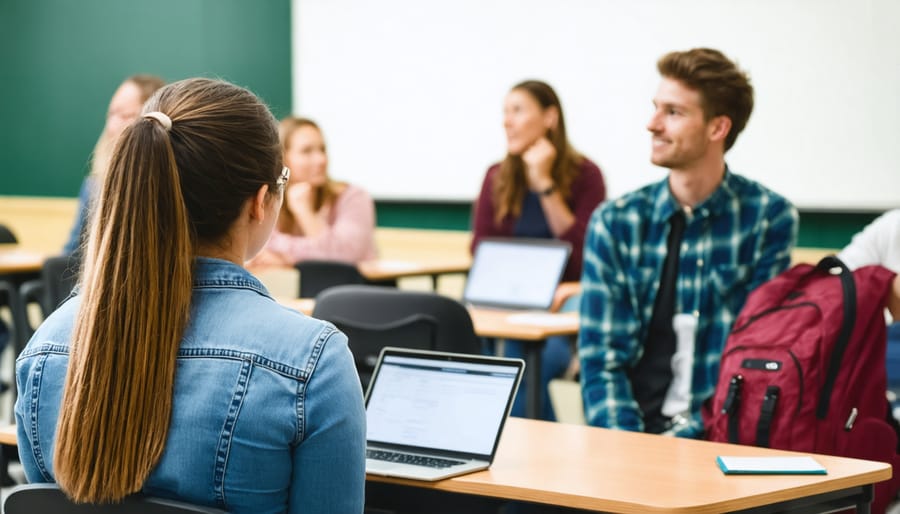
column 59, row 275
column 31, row 498
column 318, row 275
column 366, row 340
column 374, row 317
column 7, row 236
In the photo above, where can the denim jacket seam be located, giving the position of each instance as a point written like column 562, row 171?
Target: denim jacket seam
column 311, row 364
column 36, row 448
column 223, row 448
column 43, row 349
column 231, row 284
column 281, row 368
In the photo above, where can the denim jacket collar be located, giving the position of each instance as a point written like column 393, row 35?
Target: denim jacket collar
column 211, row 272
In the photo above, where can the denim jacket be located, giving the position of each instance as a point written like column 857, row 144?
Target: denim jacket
column 267, row 414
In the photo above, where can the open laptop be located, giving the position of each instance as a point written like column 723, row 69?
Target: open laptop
column 433, row 415
column 516, row 273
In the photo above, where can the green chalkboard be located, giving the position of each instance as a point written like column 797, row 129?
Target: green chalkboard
column 61, row 61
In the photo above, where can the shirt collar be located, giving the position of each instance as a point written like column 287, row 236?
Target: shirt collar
column 666, row 205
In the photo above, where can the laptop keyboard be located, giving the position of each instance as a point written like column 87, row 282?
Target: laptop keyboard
column 406, row 458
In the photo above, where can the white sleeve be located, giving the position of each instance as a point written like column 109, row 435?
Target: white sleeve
column 878, row 243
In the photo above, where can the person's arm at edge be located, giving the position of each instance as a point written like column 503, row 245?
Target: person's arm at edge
column 333, row 450
column 868, row 246
column 607, row 338
column 893, row 303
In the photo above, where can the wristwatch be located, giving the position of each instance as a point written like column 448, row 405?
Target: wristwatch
column 549, row 191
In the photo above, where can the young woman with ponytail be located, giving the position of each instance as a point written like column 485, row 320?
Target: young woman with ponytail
column 173, row 372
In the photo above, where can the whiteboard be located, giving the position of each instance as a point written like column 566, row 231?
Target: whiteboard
column 410, row 93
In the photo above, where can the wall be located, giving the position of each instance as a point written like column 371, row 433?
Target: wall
column 410, row 93
column 818, row 229
column 62, row 60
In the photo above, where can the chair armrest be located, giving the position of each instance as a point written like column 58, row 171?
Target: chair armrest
column 32, row 291
column 21, row 329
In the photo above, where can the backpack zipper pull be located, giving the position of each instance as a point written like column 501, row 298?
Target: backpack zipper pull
column 731, row 406
column 733, row 398
column 851, row 419
column 766, row 413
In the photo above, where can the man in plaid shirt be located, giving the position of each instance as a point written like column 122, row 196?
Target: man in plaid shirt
column 690, row 247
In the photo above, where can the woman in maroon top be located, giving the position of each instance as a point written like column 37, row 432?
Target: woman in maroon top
column 542, row 189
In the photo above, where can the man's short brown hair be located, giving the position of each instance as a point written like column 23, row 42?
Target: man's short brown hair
column 724, row 89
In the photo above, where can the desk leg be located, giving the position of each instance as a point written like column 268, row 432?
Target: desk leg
column 5, row 479
column 832, row 501
column 533, row 351
column 864, row 505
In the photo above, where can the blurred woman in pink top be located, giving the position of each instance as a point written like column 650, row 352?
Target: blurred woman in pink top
column 321, row 218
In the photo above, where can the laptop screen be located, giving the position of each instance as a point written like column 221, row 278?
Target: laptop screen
column 516, row 273
column 440, row 401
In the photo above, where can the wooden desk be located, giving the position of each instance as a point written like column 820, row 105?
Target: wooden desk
column 612, row 471
column 385, row 270
column 15, row 260
column 392, row 269
column 8, row 435
column 527, row 325
column 532, row 326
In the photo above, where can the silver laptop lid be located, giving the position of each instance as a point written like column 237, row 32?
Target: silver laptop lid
column 516, row 273
column 439, row 403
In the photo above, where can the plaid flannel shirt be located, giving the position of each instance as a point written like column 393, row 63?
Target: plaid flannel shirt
column 738, row 238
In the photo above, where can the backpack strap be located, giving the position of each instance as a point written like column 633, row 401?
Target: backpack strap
column 848, row 285
column 766, row 414
column 732, row 406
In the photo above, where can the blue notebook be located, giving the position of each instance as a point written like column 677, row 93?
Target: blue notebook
column 769, row 466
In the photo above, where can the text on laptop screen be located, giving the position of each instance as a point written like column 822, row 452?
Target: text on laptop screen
column 444, row 405
column 511, row 274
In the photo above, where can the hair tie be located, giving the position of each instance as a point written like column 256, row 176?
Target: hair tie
column 163, row 120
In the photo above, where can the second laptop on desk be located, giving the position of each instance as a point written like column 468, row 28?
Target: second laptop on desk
column 516, row 273
column 433, row 415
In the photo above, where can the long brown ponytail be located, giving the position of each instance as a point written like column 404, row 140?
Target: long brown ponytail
column 167, row 190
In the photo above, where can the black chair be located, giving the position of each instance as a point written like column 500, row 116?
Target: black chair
column 374, row 317
column 7, row 236
column 318, row 275
column 58, row 277
column 8, row 288
column 31, row 498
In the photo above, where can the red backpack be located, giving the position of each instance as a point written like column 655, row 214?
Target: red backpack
column 804, row 368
